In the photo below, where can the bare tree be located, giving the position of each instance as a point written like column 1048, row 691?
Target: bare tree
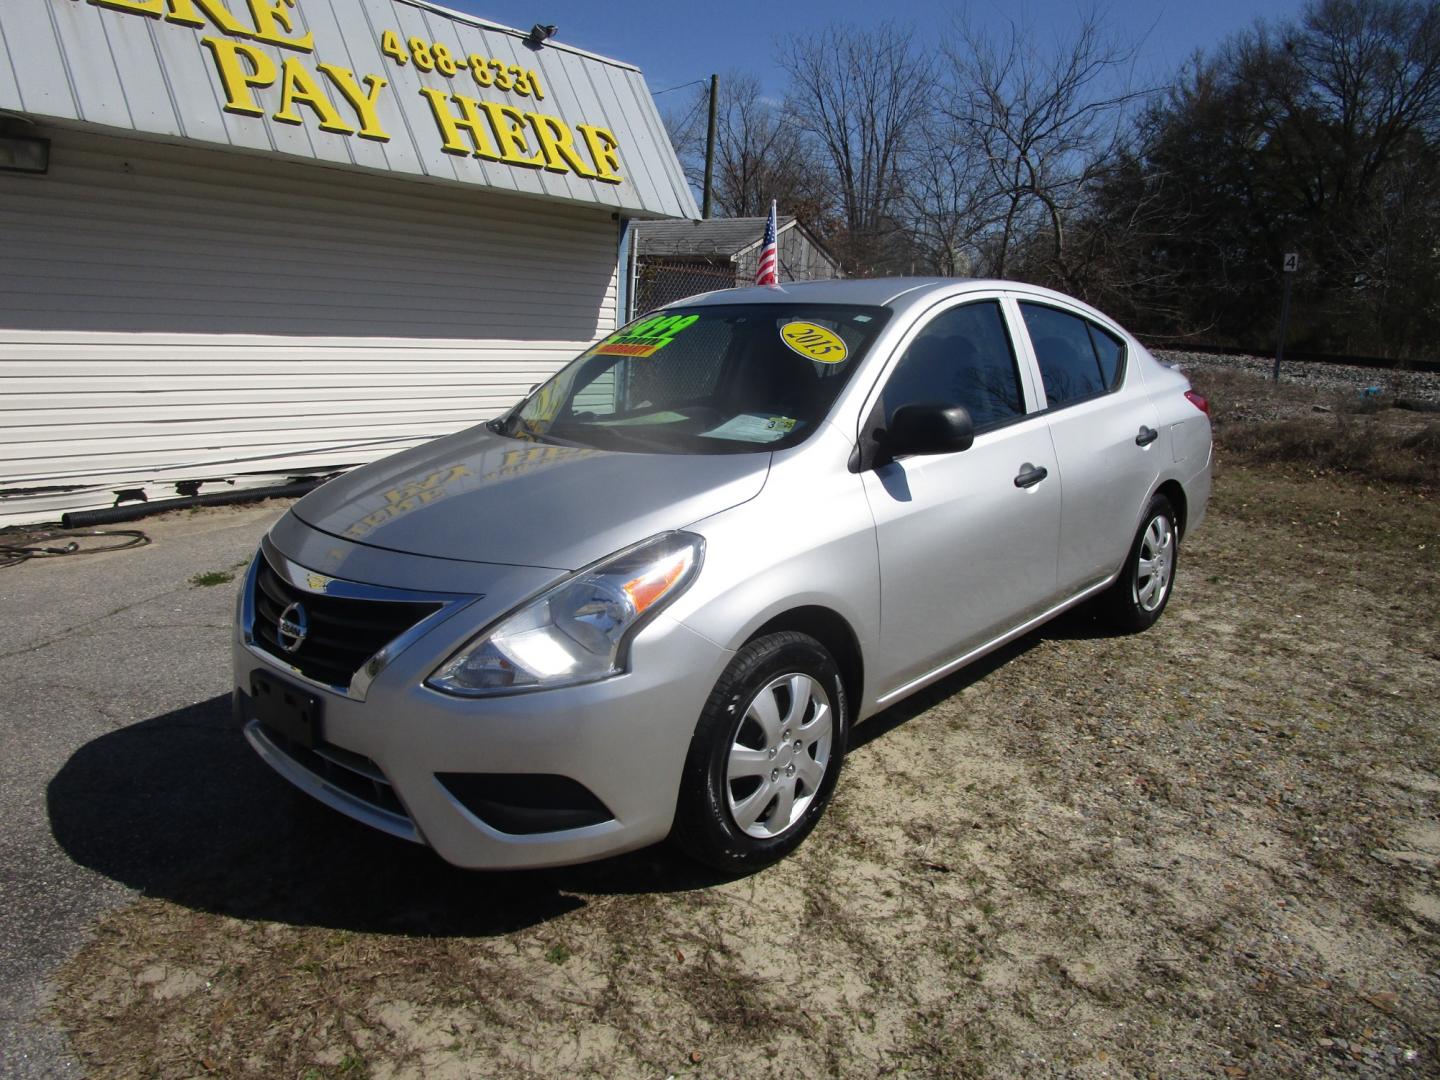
column 759, row 154
column 1319, row 135
column 1046, row 122
column 862, row 97
column 949, row 207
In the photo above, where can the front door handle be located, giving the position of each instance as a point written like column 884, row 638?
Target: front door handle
column 1147, row 436
column 1030, row 475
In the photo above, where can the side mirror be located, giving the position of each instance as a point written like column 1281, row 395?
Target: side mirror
column 928, row 427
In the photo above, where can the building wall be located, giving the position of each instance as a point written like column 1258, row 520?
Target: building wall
column 169, row 314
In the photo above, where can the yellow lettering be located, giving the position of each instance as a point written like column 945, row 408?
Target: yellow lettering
column 140, row 7
column 603, row 151
column 363, row 102
column 558, row 146
column 184, row 13
column 236, row 80
column 270, row 17
column 469, row 120
column 509, row 125
column 298, row 86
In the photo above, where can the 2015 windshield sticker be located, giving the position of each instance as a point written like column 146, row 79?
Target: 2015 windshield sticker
column 646, row 338
column 814, row 342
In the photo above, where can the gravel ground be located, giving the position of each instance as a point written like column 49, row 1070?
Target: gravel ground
column 1342, row 380
column 1207, row 851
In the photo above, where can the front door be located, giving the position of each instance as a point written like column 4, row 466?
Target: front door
column 967, row 541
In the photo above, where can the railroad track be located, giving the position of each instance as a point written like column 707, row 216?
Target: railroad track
column 1376, row 362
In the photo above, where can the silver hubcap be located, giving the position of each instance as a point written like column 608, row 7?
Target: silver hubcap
column 1157, row 564
column 779, row 755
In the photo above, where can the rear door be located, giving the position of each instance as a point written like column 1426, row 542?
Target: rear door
column 1104, row 428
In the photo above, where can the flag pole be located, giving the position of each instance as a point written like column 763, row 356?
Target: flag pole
column 767, row 270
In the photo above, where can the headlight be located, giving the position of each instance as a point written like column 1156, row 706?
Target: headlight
column 577, row 631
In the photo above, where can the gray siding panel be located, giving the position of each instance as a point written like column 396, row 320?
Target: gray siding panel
column 37, row 61
column 94, row 78
column 9, row 88
column 148, row 101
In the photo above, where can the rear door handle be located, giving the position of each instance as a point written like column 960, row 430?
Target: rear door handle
column 1030, row 475
column 1147, row 436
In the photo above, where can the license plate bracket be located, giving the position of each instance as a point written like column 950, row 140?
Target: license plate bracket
column 286, row 709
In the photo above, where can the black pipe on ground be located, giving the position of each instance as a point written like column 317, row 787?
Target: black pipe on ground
column 84, row 519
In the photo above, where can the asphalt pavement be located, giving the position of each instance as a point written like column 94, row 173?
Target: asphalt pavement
column 110, row 664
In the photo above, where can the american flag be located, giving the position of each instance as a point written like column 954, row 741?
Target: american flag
column 769, row 256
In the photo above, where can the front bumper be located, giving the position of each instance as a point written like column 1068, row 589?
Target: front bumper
column 624, row 740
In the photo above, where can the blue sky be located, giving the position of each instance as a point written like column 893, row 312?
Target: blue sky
column 680, row 41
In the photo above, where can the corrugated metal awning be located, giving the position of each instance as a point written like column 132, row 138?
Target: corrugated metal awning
column 396, row 86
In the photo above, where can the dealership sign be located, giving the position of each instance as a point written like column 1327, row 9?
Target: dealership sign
column 494, row 131
column 432, row 92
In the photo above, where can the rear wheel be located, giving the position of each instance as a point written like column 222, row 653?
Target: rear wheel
column 1142, row 590
column 765, row 755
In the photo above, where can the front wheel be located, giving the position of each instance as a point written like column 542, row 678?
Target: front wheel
column 1142, row 590
column 765, row 755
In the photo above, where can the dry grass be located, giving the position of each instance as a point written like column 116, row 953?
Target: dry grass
column 1321, row 432
column 1210, row 850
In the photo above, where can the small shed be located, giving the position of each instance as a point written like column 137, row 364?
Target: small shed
column 676, row 259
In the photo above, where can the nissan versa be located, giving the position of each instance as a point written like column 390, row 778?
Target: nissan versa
column 652, row 598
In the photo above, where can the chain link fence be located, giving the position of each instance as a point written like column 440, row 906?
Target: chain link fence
column 666, row 268
column 662, row 279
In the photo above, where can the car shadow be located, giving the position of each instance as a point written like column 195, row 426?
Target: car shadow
column 179, row 807
column 1077, row 624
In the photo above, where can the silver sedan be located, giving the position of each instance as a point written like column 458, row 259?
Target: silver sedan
column 653, row 598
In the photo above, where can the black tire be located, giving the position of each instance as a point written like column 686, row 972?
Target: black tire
column 1138, row 598
column 766, row 670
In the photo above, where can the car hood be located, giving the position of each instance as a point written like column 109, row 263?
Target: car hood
column 479, row 497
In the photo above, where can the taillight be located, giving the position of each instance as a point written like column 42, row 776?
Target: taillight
column 1198, row 400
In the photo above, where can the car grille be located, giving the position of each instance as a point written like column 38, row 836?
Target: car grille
column 343, row 633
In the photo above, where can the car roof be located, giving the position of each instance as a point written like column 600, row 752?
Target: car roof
column 896, row 292
column 876, row 291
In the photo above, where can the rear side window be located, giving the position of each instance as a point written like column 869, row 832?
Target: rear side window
column 1078, row 359
column 1111, row 351
column 963, row 357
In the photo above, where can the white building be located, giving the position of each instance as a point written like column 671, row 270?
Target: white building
column 245, row 241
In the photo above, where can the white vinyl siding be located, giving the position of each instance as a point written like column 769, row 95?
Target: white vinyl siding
column 175, row 314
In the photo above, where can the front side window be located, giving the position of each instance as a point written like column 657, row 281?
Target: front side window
column 962, row 357
column 704, row 380
column 1077, row 359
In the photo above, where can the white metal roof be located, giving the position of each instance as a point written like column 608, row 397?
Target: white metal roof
column 119, row 68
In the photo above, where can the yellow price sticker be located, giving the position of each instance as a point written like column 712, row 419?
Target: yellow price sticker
column 814, row 342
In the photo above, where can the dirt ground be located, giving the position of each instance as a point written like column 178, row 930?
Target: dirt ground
column 1209, row 850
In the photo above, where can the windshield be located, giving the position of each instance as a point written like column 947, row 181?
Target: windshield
column 702, row 380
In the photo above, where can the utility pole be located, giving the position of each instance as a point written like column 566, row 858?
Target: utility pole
column 1288, row 266
column 710, row 146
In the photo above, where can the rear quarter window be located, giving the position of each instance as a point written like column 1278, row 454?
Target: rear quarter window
column 1111, row 352
column 1078, row 360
